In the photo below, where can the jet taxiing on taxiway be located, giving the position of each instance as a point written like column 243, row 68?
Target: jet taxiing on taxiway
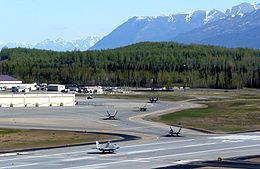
column 110, row 148
column 153, row 99
column 144, row 108
column 172, row 132
column 110, row 116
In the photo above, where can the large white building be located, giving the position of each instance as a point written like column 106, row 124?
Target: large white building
column 37, row 100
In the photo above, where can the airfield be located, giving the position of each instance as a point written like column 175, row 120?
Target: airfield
column 153, row 149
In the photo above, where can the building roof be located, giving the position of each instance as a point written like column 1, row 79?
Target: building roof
column 7, row 78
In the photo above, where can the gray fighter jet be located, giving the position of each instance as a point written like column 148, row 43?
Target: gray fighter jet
column 144, row 108
column 176, row 133
column 110, row 148
column 110, row 116
column 153, row 99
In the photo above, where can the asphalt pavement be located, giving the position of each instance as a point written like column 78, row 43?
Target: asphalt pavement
column 153, row 150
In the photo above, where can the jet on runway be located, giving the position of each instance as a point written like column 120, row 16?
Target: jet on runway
column 110, row 116
column 110, row 148
column 172, row 132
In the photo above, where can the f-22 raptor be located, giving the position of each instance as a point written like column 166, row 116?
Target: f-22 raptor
column 110, row 116
column 110, row 148
column 143, row 108
column 172, row 132
column 153, row 99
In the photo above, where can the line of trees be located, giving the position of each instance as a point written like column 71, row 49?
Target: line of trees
column 147, row 64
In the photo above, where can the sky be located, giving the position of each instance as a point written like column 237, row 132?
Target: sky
column 36, row 20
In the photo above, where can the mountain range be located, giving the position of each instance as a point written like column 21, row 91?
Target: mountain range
column 57, row 45
column 237, row 27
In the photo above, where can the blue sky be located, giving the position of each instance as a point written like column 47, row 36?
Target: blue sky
column 36, row 20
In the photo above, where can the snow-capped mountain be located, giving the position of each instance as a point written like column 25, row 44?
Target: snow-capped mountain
column 242, row 9
column 239, row 31
column 167, row 27
column 213, row 16
column 15, row 44
column 57, row 45
column 159, row 28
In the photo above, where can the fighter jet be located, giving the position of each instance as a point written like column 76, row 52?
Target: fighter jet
column 144, row 108
column 153, row 99
column 110, row 148
column 172, row 132
column 110, row 116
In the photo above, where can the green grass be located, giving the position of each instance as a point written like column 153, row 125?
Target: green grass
column 16, row 139
column 5, row 131
column 226, row 116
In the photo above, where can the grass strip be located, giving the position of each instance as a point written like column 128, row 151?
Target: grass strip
column 15, row 139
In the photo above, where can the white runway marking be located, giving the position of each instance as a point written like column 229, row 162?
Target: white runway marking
column 101, row 165
column 144, row 151
column 12, row 154
column 238, row 137
column 232, row 141
column 18, row 166
column 196, row 145
column 186, row 161
column 47, row 155
column 166, row 142
column 204, row 151
column 78, row 159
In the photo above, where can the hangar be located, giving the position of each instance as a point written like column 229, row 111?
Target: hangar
column 37, row 100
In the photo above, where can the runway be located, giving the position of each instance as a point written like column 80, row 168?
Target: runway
column 154, row 150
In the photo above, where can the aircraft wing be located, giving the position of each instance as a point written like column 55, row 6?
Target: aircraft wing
column 108, row 114
column 107, row 145
column 115, row 113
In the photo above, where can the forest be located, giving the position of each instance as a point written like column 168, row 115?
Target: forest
column 146, row 64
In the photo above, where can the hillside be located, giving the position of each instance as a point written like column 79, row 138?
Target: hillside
column 143, row 64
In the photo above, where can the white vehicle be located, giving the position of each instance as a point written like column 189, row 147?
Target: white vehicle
column 55, row 87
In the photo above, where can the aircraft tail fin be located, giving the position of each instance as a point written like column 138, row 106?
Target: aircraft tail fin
column 97, row 145
column 108, row 113
column 179, row 130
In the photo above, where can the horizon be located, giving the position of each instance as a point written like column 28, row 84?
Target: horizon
column 33, row 21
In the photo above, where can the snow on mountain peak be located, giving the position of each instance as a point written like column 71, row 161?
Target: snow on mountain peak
column 57, row 45
column 189, row 15
column 241, row 9
column 213, row 15
column 147, row 18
